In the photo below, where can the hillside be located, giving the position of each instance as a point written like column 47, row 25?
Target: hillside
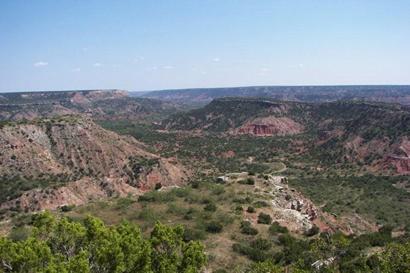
column 227, row 114
column 254, row 180
column 374, row 134
column 201, row 96
column 48, row 163
column 98, row 104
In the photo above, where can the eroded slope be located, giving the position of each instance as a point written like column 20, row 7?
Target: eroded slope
column 69, row 160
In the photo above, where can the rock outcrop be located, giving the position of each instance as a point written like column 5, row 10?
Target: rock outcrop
column 401, row 159
column 270, row 126
column 77, row 160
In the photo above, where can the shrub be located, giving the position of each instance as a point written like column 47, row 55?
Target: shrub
column 312, row 231
column 218, row 190
column 194, row 234
column 252, row 253
column 146, row 198
column 195, row 184
column 214, row 227
column 276, row 228
column 238, row 209
column 286, row 240
column 248, row 181
column 176, row 210
column 246, row 228
column 264, row 218
column 189, row 214
column 261, row 244
column 210, row 207
column 251, row 209
column 260, row 204
column 123, row 203
column 67, row 208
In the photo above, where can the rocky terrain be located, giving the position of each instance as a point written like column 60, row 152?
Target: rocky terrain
column 235, row 114
column 98, row 104
column 250, row 178
column 269, row 126
column 373, row 134
column 74, row 160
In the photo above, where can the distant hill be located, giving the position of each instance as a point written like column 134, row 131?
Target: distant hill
column 375, row 134
column 98, row 104
column 201, row 96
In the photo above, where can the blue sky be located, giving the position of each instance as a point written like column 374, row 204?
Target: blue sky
column 146, row 45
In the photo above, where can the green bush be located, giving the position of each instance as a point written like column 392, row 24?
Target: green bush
column 248, row 181
column 246, row 228
column 264, row 218
column 238, row 208
column 254, row 254
column 189, row 214
column 194, row 235
column 214, row 227
column 195, row 184
column 276, row 228
column 210, row 207
column 260, row 204
column 123, row 203
column 146, row 198
column 261, row 244
column 250, row 209
column 67, row 208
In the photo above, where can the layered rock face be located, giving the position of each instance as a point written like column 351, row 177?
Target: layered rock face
column 401, row 160
column 80, row 160
column 270, row 126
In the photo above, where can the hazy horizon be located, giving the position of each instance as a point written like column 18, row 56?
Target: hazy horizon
column 199, row 88
column 143, row 46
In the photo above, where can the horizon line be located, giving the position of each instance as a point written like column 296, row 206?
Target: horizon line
column 199, row 88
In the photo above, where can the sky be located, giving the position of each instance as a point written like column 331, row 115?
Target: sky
column 149, row 45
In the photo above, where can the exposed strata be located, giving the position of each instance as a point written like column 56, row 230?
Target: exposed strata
column 342, row 132
column 270, row 126
column 94, row 163
column 388, row 155
column 401, row 159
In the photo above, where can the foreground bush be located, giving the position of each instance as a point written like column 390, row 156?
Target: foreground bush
column 61, row 245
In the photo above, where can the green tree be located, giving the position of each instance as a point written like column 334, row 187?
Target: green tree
column 64, row 246
column 396, row 258
column 264, row 267
column 171, row 254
